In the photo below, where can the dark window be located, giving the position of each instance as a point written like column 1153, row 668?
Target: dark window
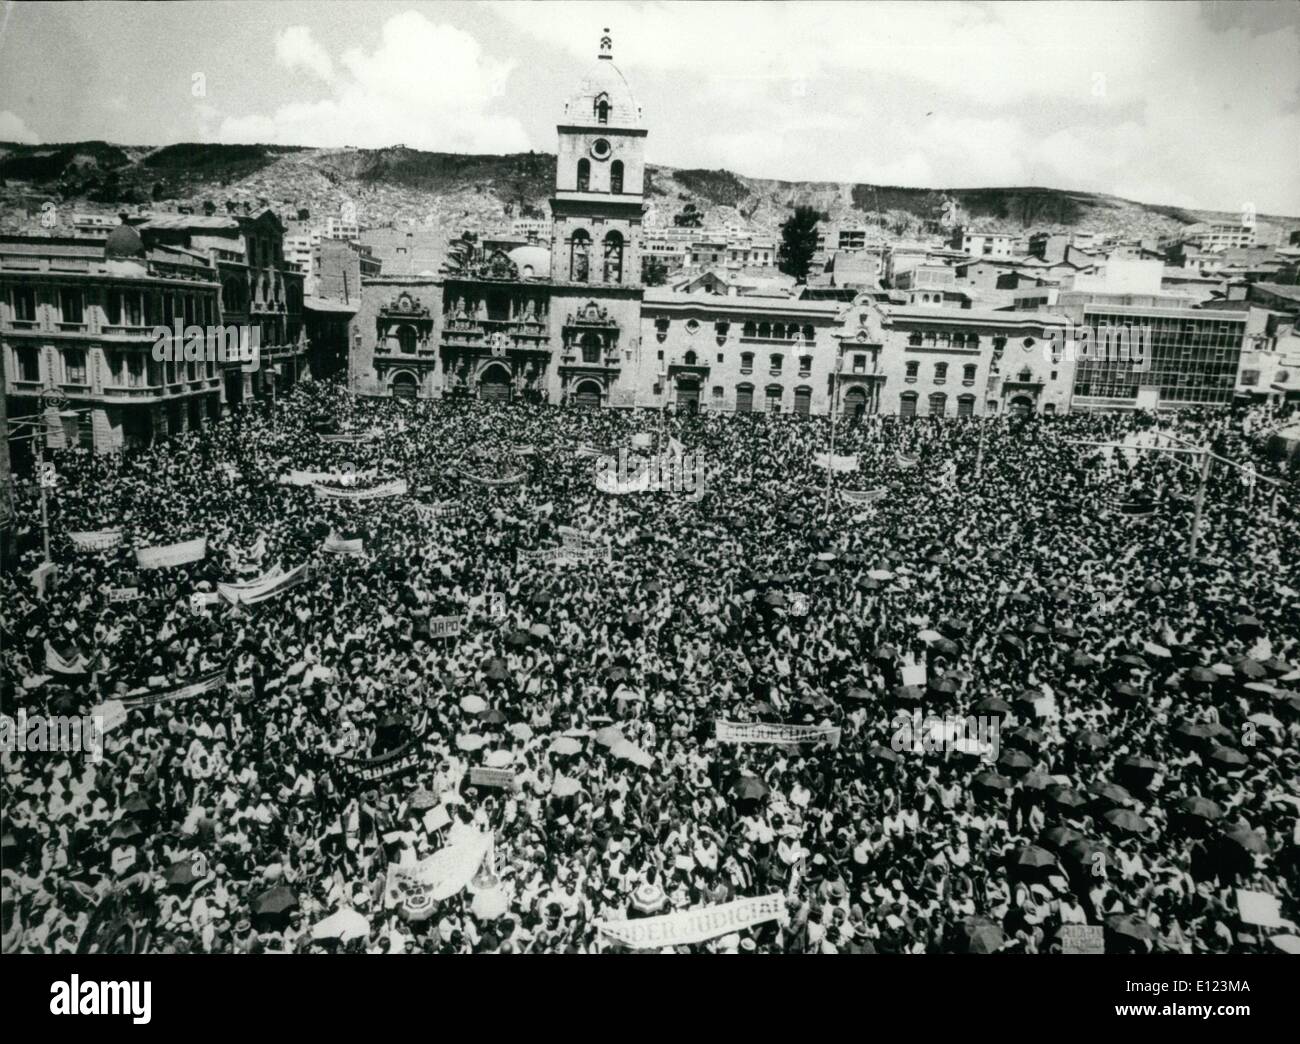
column 74, row 366
column 602, row 109
column 614, row 258
column 579, row 255
column 912, row 367
column 616, row 176
column 29, row 364
column 590, row 348
column 584, row 174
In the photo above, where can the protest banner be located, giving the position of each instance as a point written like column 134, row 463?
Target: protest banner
column 64, row 656
column 369, row 771
column 769, row 733
column 442, row 509
column 357, row 437
column 905, row 462
column 642, row 440
column 695, row 926
column 1082, row 938
column 168, row 555
column 1259, row 908
column 201, row 686
column 572, row 537
column 914, row 674
column 336, row 544
column 112, row 714
column 269, row 585
column 394, row 488
column 444, row 626
column 338, row 478
column 836, row 463
column 480, row 776
column 438, row 877
column 862, row 496
column 100, row 540
column 123, row 594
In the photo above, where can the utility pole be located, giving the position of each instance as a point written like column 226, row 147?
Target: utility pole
column 830, row 456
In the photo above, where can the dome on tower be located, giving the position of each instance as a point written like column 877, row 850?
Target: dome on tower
column 603, row 96
column 123, row 241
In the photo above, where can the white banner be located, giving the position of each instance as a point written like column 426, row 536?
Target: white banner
column 444, row 626
column 101, row 540
column 277, row 581
column 566, row 556
column 310, row 478
column 607, row 482
column 763, row 732
column 429, row 512
column 694, row 926
column 335, row 544
column 205, row 684
column 861, row 496
column 171, row 554
column 836, row 463
column 441, row 875
column 395, row 488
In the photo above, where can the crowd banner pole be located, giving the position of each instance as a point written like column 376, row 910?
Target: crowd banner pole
column 1200, row 503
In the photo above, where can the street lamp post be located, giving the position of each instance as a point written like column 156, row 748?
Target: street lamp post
column 830, row 456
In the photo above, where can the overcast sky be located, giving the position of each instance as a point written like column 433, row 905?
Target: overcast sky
column 1178, row 103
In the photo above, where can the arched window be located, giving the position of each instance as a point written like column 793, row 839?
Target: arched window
column 601, row 108
column 616, row 177
column 584, row 174
column 968, row 372
column 590, row 348
column 614, row 258
column 748, row 329
column 689, row 358
column 765, row 330
column 938, row 404
column 809, row 334
column 579, row 255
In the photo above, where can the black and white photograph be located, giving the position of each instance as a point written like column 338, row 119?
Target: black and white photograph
column 650, row 477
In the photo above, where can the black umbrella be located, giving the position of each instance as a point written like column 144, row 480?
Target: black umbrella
column 273, row 906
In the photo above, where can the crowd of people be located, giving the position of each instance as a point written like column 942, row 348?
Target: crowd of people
column 1145, row 700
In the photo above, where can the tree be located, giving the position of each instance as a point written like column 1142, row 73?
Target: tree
column 654, row 271
column 798, row 242
column 690, row 217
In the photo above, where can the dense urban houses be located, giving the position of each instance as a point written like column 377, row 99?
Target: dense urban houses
column 77, row 317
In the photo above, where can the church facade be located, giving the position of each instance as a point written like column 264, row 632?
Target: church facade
column 573, row 325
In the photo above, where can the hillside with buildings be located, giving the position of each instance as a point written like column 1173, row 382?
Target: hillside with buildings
column 449, row 192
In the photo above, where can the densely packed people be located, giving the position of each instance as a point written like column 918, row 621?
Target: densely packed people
column 1146, row 764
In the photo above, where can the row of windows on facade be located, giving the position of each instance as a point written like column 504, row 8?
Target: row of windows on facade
column 854, row 400
column 123, row 307
column 123, row 369
column 580, row 257
column 752, row 330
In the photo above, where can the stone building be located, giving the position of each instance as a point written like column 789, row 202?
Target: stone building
column 77, row 316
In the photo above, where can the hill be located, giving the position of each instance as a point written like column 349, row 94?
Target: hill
column 448, row 192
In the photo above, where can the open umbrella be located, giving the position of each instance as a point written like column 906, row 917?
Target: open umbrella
column 498, row 758
column 610, row 736
column 1110, row 794
column 422, row 799
column 1090, row 739
column 1248, row 840
column 648, row 899
column 993, row 706
column 181, row 874
column 1031, row 857
column 992, row 781
column 1059, row 838
column 1015, row 762
column 565, row 787
column 473, row 704
column 272, row 907
column 929, row 635
column 471, row 741
column 521, row 731
column 1129, row 928
column 1227, row 758
column 1126, row 821
column 345, row 925
column 1199, row 808
column 909, row 693
column 492, row 716
column 566, row 746
column 945, row 686
column 749, row 788
column 882, row 753
column 126, row 830
column 885, row 653
column 519, row 639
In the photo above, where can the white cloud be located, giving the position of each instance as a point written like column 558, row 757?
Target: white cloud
column 12, row 128
column 1151, row 99
column 426, row 85
column 296, row 48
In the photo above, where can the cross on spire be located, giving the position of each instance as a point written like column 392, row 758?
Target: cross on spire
column 606, row 45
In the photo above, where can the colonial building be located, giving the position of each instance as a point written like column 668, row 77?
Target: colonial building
column 77, row 316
